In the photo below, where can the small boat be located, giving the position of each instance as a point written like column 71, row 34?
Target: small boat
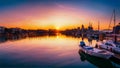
column 109, row 45
column 95, row 51
column 98, row 62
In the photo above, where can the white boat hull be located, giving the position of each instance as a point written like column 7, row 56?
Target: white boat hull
column 112, row 47
column 100, row 55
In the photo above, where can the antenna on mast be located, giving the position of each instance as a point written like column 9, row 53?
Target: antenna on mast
column 114, row 13
column 114, row 18
column 114, row 26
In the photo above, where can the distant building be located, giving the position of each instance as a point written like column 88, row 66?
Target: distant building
column 78, row 31
column 2, row 30
column 90, row 28
column 16, row 30
column 116, row 29
column 78, row 28
column 82, row 28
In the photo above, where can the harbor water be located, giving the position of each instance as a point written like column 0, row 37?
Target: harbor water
column 49, row 52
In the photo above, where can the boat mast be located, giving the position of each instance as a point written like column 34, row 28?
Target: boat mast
column 115, row 38
column 114, row 20
column 98, row 26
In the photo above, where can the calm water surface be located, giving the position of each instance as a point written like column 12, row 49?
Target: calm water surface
column 48, row 52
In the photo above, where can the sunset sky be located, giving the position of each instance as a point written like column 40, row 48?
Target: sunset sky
column 57, row 14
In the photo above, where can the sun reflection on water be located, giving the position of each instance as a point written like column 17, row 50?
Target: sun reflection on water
column 38, row 51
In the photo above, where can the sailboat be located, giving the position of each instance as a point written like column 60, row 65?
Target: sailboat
column 96, row 52
column 110, row 45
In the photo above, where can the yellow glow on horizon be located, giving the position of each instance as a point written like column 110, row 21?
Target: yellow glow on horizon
column 58, row 22
column 57, row 27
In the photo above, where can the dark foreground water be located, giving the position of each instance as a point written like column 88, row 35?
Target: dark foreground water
column 49, row 52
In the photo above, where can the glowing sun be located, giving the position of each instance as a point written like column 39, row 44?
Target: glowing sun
column 57, row 28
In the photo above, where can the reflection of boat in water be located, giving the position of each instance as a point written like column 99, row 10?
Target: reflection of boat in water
column 95, row 51
column 99, row 62
column 116, row 62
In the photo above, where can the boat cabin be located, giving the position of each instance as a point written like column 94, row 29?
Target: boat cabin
column 82, row 43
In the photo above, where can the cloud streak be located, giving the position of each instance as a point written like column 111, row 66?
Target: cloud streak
column 64, row 6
